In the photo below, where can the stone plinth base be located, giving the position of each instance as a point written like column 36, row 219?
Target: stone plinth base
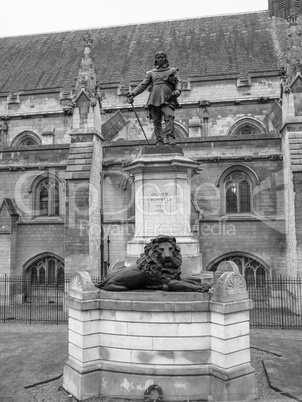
column 188, row 344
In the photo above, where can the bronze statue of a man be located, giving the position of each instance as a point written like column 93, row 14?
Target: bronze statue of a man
column 164, row 85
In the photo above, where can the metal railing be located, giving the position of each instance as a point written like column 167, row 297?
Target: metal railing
column 22, row 300
column 277, row 301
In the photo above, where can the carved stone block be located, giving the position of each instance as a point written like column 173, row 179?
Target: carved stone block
column 81, row 287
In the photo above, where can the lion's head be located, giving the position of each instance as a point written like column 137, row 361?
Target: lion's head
column 161, row 259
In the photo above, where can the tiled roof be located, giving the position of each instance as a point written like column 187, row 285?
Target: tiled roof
column 207, row 46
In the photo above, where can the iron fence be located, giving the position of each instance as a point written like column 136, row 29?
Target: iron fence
column 277, row 301
column 25, row 300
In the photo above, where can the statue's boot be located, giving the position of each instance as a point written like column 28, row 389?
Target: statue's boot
column 169, row 137
column 158, row 132
column 166, row 139
column 172, row 140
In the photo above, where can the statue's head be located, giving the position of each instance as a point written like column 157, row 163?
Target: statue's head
column 160, row 59
column 162, row 255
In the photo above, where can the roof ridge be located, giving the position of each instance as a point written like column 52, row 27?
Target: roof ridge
column 135, row 24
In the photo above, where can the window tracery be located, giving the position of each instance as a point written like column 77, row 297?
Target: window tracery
column 238, row 193
column 47, row 197
column 25, row 139
column 254, row 272
column 48, row 270
column 247, row 126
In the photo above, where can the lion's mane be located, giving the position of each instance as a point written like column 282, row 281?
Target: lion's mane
column 157, row 270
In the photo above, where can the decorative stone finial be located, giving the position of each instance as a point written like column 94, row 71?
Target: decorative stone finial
column 293, row 16
column 81, row 286
column 230, row 287
column 87, row 40
column 87, row 79
column 298, row 67
column 229, row 284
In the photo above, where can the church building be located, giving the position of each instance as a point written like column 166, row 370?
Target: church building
column 67, row 132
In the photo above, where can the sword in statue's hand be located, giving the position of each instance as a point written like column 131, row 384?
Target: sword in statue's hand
column 130, row 99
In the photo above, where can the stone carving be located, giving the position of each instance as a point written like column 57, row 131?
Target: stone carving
column 235, row 283
column 87, row 79
column 227, row 266
column 298, row 67
column 204, row 103
column 76, row 282
column 157, row 268
column 81, row 286
column 153, row 394
column 165, row 87
column 87, row 40
column 293, row 16
column 275, row 157
column 263, row 99
column 229, row 284
column 224, row 266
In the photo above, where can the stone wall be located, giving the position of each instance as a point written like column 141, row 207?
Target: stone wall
column 260, row 234
column 37, row 238
column 5, row 252
column 31, row 235
column 221, row 117
column 36, row 112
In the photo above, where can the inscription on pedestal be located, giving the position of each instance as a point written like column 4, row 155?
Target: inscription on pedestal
column 156, row 200
column 159, row 200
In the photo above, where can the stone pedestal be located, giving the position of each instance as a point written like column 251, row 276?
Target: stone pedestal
column 190, row 346
column 163, row 203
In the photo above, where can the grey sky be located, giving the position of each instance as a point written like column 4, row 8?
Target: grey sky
column 20, row 17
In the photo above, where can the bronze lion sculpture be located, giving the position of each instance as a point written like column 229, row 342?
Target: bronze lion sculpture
column 157, row 268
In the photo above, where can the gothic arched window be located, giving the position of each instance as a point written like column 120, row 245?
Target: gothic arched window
column 238, row 193
column 47, row 270
column 281, row 4
column 34, row 275
column 25, row 139
column 41, row 275
column 47, row 198
column 254, row 272
column 51, row 271
column 247, row 126
column 60, row 274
